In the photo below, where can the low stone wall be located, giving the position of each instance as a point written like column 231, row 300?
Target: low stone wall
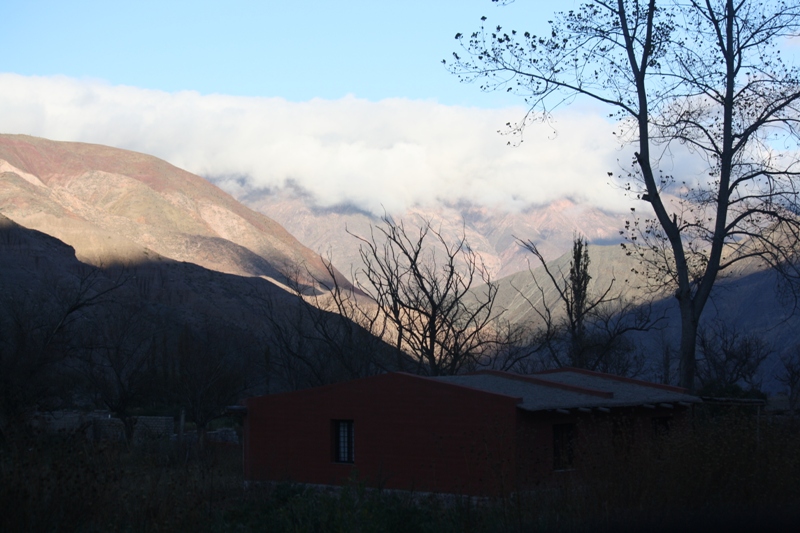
column 99, row 425
column 111, row 429
column 61, row 421
column 223, row 436
column 154, row 427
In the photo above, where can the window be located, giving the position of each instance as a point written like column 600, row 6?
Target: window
column 661, row 426
column 563, row 446
column 343, row 441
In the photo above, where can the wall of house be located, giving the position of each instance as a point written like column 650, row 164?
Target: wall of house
column 600, row 439
column 535, row 446
column 411, row 433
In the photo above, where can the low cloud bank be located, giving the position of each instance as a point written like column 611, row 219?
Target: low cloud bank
column 390, row 154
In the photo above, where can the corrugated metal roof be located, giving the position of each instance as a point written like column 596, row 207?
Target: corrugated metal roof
column 572, row 388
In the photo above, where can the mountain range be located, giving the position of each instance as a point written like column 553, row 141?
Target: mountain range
column 491, row 232
column 196, row 250
column 495, row 234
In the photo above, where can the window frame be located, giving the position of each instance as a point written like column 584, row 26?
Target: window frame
column 343, row 441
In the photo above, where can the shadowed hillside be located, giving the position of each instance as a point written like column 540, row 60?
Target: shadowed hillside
column 155, row 336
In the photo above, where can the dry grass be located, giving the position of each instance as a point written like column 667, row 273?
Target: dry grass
column 728, row 472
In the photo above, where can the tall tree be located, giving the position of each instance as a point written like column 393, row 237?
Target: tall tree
column 790, row 377
column 705, row 74
column 592, row 330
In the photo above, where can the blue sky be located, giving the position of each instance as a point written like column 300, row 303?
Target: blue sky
column 347, row 100
column 296, row 50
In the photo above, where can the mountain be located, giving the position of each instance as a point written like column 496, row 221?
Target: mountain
column 608, row 265
column 492, row 232
column 117, row 206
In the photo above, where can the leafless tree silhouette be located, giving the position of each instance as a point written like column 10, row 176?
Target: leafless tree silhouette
column 39, row 325
column 703, row 75
column 436, row 295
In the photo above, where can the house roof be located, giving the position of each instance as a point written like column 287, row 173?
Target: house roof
column 572, row 388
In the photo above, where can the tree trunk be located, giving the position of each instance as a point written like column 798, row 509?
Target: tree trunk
column 688, row 363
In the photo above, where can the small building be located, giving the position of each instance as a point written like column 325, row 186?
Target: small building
column 484, row 433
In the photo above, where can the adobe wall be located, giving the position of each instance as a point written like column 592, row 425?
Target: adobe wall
column 411, row 433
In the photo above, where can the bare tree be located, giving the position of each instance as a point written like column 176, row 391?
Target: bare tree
column 729, row 361
column 704, row 74
column 426, row 287
column 323, row 331
column 516, row 348
column 213, row 371
column 116, row 362
column 350, row 325
column 292, row 359
column 591, row 332
column 40, row 325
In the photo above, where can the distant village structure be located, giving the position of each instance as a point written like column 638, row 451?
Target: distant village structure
column 478, row 434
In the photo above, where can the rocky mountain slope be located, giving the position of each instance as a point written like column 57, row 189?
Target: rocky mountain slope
column 161, row 263
column 116, row 206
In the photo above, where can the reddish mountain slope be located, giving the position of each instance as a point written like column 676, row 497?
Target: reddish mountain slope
column 115, row 205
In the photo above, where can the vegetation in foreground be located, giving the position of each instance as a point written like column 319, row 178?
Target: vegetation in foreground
column 733, row 471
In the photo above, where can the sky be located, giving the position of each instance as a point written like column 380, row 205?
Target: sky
column 347, row 100
column 295, row 50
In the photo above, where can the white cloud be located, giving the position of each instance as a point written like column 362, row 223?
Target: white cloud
column 393, row 153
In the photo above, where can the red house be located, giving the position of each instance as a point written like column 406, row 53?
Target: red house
column 479, row 434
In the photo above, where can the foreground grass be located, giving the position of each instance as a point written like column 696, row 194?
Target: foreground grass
column 730, row 473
